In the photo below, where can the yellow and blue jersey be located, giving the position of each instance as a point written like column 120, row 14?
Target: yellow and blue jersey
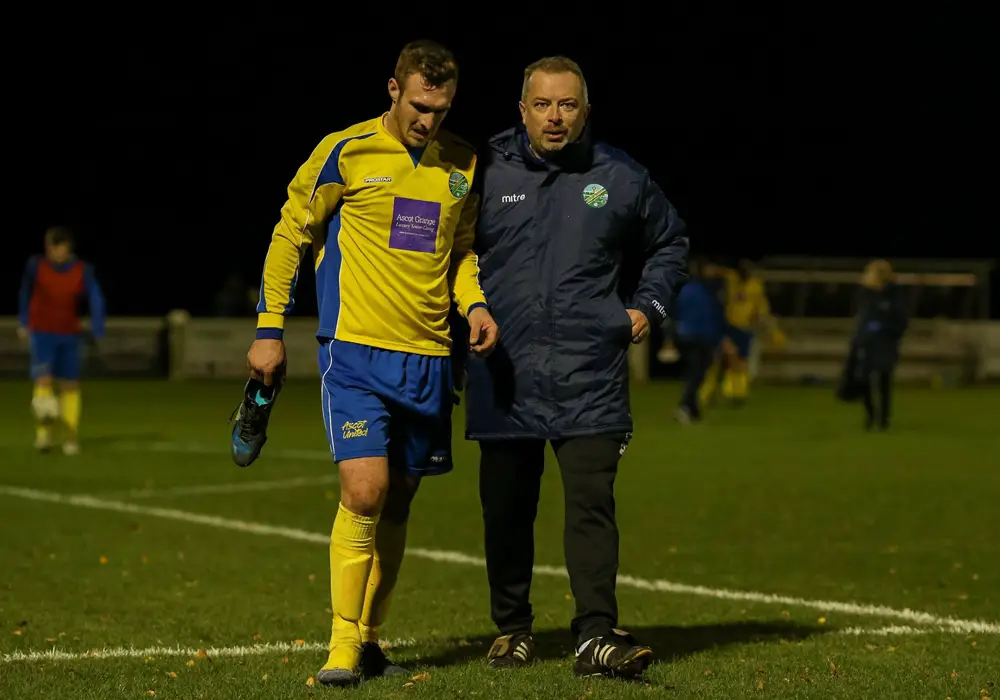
column 391, row 229
column 746, row 302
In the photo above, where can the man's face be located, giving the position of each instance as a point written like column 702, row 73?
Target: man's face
column 420, row 108
column 553, row 111
column 58, row 253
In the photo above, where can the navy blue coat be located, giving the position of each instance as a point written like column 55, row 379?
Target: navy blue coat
column 881, row 325
column 564, row 248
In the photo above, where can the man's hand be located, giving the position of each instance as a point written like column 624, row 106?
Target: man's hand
column 22, row 334
column 265, row 357
column 483, row 331
column 640, row 325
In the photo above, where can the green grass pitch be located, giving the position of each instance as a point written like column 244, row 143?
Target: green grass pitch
column 777, row 551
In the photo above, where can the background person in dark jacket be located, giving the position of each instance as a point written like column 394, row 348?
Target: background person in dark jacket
column 875, row 347
column 579, row 251
column 698, row 330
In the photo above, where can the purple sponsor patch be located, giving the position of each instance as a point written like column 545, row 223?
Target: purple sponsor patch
column 414, row 225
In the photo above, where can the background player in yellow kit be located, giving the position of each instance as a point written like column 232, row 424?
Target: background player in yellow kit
column 747, row 310
column 386, row 207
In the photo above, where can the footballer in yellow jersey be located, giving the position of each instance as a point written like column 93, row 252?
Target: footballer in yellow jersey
column 387, row 208
column 747, row 309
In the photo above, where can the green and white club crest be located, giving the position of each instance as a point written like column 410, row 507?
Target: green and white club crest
column 595, row 196
column 458, row 185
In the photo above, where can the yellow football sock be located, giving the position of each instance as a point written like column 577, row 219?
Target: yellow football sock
column 728, row 384
column 352, row 547
column 390, row 543
column 708, row 385
column 741, row 384
column 69, row 402
column 40, row 396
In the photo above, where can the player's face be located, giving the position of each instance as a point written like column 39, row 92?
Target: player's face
column 419, row 108
column 553, row 111
column 58, row 253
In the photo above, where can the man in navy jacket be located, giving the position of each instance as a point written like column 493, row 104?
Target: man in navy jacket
column 579, row 252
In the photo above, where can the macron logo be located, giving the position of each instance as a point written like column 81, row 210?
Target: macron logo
column 512, row 198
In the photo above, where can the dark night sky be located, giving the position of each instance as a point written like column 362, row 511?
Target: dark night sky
column 169, row 141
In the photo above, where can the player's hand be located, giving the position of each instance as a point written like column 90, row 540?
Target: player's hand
column 22, row 334
column 640, row 325
column 483, row 331
column 265, row 357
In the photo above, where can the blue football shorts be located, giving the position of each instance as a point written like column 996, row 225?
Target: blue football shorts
column 385, row 403
column 741, row 339
column 55, row 355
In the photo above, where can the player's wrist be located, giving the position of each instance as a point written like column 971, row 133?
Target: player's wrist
column 477, row 305
column 270, row 334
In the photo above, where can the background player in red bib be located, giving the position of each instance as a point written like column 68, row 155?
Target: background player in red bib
column 52, row 291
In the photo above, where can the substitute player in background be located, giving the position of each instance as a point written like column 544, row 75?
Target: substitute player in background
column 747, row 311
column 52, row 289
column 385, row 206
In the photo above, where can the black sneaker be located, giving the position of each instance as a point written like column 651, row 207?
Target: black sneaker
column 615, row 655
column 375, row 664
column 250, row 421
column 512, row 651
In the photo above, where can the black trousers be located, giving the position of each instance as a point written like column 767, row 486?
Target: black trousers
column 697, row 357
column 509, row 481
column 878, row 398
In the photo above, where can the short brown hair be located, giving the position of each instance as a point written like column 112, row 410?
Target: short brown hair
column 57, row 235
column 554, row 64
column 432, row 61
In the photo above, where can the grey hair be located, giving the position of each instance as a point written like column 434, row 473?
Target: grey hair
column 554, row 64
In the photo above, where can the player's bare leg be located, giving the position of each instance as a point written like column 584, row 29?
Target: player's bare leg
column 364, row 484
column 46, row 409
column 390, row 544
column 69, row 404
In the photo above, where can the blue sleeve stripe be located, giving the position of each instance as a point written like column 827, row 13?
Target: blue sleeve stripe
column 475, row 306
column 330, row 174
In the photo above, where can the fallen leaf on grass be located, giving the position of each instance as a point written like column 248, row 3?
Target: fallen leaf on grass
column 284, row 660
column 150, row 693
column 833, row 670
column 760, row 684
column 310, row 681
column 421, row 677
column 312, row 577
column 870, row 647
column 172, row 674
column 408, row 684
column 264, row 677
column 568, row 596
column 821, row 620
column 51, row 640
column 145, row 559
column 190, row 662
column 258, row 636
column 707, row 672
column 202, row 654
column 975, row 577
column 103, row 559
column 16, row 633
column 891, row 649
column 300, row 642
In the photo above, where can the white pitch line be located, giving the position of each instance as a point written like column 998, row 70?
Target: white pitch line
column 891, row 631
column 232, row 487
column 828, row 606
column 199, row 449
column 155, row 652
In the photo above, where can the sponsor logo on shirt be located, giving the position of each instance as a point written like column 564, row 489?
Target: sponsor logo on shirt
column 371, row 180
column 512, row 198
